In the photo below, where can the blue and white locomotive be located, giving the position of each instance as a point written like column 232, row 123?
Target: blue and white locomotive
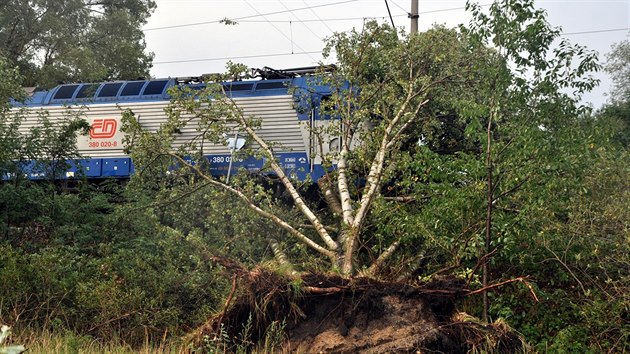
column 278, row 100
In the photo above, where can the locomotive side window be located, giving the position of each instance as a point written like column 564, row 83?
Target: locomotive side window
column 110, row 90
column 238, row 87
column 271, row 85
column 132, row 88
column 155, row 87
column 87, row 90
column 65, row 92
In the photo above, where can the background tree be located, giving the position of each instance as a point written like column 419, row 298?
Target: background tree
column 75, row 40
column 526, row 97
column 547, row 159
column 618, row 66
column 618, row 111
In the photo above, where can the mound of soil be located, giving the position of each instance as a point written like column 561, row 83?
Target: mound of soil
column 331, row 314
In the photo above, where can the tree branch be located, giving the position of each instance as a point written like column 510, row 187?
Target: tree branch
column 228, row 300
column 295, row 195
column 383, row 257
column 519, row 279
column 344, row 191
column 403, row 199
column 331, row 199
column 557, row 259
column 321, row 291
column 342, row 178
column 376, row 169
column 278, row 253
column 328, row 228
column 406, row 125
column 274, row 218
column 373, row 179
column 479, row 263
column 513, row 189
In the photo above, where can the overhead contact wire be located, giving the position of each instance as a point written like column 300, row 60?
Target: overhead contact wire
column 324, row 20
column 400, row 7
column 280, row 31
column 244, row 17
column 317, row 16
column 298, row 20
column 237, row 57
column 319, row 51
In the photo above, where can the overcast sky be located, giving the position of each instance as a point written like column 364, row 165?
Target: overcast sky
column 188, row 40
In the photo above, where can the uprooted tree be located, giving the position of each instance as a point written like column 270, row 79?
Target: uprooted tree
column 384, row 86
column 479, row 94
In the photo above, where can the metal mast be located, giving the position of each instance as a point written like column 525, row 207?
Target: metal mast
column 413, row 15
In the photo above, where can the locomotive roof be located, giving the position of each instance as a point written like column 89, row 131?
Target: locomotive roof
column 143, row 90
column 273, row 82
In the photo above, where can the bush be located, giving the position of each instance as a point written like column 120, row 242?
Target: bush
column 104, row 271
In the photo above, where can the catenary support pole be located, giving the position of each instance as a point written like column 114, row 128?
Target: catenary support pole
column 413, row 15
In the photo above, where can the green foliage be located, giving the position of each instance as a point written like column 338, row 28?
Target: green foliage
column 90, row 262
column 217, row 343
column 67, row 342
column 105, row 272
column 274, row 337
column 50, row 145
column 615, row 119
column 75, row 40
column 220, row 223
column 550, row 190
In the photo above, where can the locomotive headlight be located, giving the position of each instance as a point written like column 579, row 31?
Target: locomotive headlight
column 235, row 142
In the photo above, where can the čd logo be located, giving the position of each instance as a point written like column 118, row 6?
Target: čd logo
column 103, row 128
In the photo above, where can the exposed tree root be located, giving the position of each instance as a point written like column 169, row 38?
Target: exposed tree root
column 332, row 314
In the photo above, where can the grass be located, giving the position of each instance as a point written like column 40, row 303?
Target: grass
column 69, row 343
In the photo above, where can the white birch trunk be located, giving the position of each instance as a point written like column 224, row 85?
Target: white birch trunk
column 295, row 195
